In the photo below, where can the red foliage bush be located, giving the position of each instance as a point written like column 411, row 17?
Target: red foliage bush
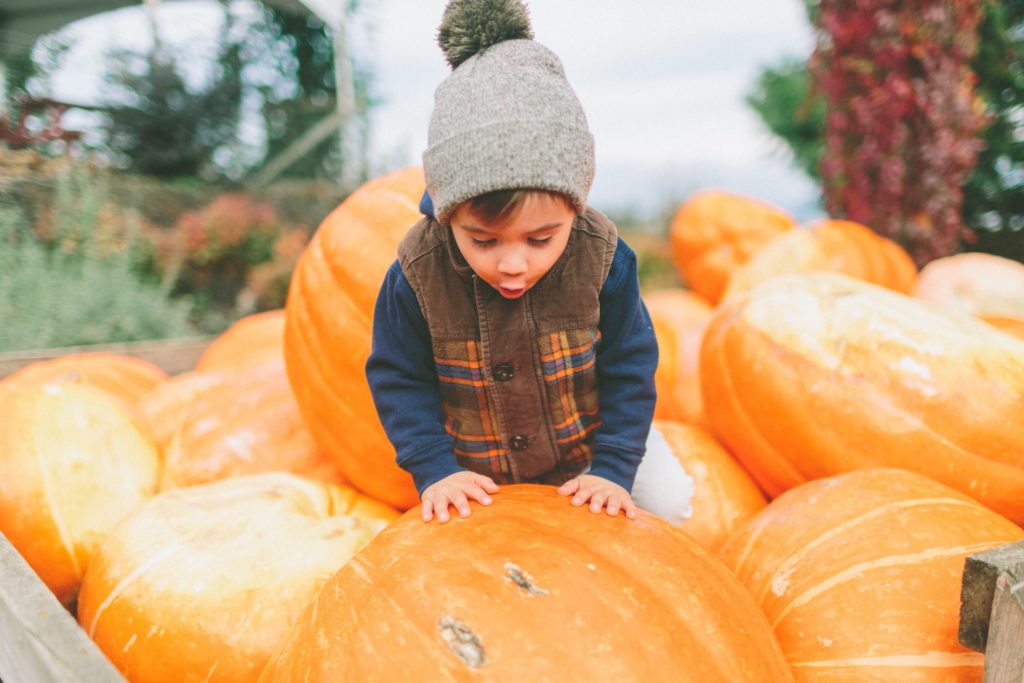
column 901, row 132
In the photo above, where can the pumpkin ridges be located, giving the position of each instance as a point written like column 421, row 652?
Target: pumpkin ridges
column 328, row 329
column 75, row 462
column 864, row 568
column 790, row 561
column 865, row 565
column 769, row 468
column 887, row 379
column 388, row 595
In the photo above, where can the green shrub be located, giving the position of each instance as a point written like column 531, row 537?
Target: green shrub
column 78, row 284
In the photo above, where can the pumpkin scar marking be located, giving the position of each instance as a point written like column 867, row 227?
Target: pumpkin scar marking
column 462, row 641
column 523, row 580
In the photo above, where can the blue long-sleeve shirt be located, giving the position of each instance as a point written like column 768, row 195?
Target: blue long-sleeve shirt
column 404, row 382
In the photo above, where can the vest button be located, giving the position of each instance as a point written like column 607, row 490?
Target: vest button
column 518, row 443
column 504, row 372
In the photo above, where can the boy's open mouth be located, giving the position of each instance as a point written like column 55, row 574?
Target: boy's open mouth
column 510, row 293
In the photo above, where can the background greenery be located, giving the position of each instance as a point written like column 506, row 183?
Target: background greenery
column 154, row 226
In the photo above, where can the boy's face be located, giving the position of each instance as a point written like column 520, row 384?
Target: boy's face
column 513, row 255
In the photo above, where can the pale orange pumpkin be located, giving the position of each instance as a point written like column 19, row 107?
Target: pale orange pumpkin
column 244, row 421
column 1007, row 324
column 73, row 462
column 531, row 586
column 724, row 495
column 679, row 319
column 201, row 583
column 983, row 285
column 713, row 232
column 165, row 407
column 859, row 575
column 252, row 339
column 329, row 324
column 835, row 245
column 124, row 376
column 811, row 375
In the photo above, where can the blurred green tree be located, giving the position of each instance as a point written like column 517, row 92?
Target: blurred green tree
column 272, row 70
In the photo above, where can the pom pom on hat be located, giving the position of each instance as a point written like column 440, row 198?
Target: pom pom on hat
column 471, row 26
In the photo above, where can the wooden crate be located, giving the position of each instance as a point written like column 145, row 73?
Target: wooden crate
column 173, row 355
column 40, row 642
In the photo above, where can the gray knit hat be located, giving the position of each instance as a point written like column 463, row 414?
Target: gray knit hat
column 506, row 118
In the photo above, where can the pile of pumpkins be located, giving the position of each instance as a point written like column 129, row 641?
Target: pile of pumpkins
column 243, row 521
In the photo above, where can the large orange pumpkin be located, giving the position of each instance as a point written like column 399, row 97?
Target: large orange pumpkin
column 835, row 245
column 329, row 324
column 253, row 339
column 679, row 319
column 976, row 284
column 724, row 495
column 860, row 575
column 714, row 232
column 812, row 375
column 531, row 588
column 73, row 462
column 245, row 422
column 124, row 376
column 201, row 583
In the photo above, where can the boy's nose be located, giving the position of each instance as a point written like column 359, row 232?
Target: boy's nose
column 512, row 263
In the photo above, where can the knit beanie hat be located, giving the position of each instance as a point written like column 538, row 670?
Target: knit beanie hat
column 506, row 118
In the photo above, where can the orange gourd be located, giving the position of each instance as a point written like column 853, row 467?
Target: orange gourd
column 201, row 583
column 860, row 574
column 124, row 376
column 811, row 375
column 679, row 319
column 984, row 285
column 1007, row 324
column 73, row 462
column 834, row 245
column 243, row 422
column 530, row 586
column 329, row 324
column 724, row 495
column 165, row 406
column 252, row 339
column 714, row 232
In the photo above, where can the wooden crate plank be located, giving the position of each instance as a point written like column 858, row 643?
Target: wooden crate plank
column 173, row 355
column 1004, row 658
column 978, row 588
column 39, row 640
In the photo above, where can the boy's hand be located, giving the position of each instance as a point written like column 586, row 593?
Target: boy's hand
column 601, row 493
column 455, row 490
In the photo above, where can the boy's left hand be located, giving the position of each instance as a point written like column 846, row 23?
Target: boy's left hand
column 601, row 493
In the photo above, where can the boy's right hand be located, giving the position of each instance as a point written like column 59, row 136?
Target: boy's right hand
column 456, row 490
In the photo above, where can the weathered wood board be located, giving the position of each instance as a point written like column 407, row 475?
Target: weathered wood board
column 40, row 642
column 173, row 355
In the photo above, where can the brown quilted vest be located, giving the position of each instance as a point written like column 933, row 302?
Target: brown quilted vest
column 517, row 377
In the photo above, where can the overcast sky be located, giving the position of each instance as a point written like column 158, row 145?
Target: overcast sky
column 662, row 82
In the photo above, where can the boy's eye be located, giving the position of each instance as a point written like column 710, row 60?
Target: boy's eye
column 540, row 241
column 483, row 243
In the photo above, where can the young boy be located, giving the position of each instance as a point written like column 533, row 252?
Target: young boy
column 510, row 343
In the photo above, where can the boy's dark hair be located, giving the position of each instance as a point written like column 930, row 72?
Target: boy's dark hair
column 500, row 205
